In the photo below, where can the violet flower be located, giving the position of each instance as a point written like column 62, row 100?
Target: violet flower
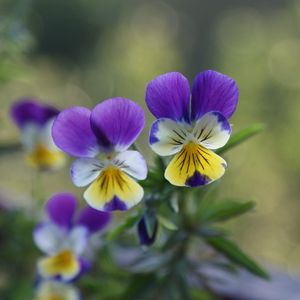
column 65, row 237
column 191, row 128
column 35, row 121
column 106, row 132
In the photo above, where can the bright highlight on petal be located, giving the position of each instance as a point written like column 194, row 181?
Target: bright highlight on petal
column 194, row 165
column 167, row 136
column 113, row 190
column 63, row 264
column 212, row 131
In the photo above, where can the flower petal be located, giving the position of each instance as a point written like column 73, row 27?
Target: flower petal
column 77, row 240
column 195, row 165
column 113, row 190
column 132, row 163
column 168, row 96
column 61, row 208
column 72, row 132
column 49, row 238
column 94, row 220
column 85, row 170
column 167, row 136
column 213, row 91
column 212, row 130
column 117, row 122
column 27, row 111
column 63, row 264
column 54, row 289
column 145, row 237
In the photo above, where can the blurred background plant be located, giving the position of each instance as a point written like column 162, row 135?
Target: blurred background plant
column 81, row 52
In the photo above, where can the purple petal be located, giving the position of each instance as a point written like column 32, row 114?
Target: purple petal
column 117, row 122
column 144, row 237
column 61, row 208
column 115, row 204
column 85, row 266
column 213, row 91
column 168, row 96
column 26, row 110
column 93, row 219
column 72, row 132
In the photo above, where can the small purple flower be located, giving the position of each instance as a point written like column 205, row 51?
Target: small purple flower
column 35, row 121
column 191, row 127
column 64, row 238
column 107, row 132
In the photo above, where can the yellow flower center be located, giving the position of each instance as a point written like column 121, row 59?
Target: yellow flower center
column 42, row 157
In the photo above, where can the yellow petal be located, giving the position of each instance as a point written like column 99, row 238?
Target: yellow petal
column 64, row 264
column 194, row 165
column 113, row 190
column 44, row 158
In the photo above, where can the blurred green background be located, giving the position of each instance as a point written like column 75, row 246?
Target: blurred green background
column 80, row 52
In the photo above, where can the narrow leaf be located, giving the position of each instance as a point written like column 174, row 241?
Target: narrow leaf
column 241, row 136
column 127, row 224
column 236, row 255
column 166, row 223
column 222, row 211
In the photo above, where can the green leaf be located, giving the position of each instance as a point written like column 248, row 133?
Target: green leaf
column 128, row 223
column 241, row 136
column 166, row 223
column 236, row 255
column 222, row 211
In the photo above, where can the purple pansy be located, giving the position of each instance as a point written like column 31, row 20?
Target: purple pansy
column 65, row 236
column 100, row 138
column 35, row 120
column 191, row 126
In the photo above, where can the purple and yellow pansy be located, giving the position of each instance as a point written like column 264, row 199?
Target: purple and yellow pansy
column 35, row 121
column 65, row 237
column 190, row 127
column 100, row 138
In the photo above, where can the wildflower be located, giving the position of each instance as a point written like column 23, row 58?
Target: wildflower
column 107, row 131
column 56, row 290
column 65, row 238
column 191, row 129
column 35, row 121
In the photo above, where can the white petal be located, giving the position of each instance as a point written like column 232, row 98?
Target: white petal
column 45, row 137
column 77, row 240
column 85, row 170
column 49, row 238
column 51, row 289
column 212, row 131
column 167, row 136
column 30, row 136
column 133, row 163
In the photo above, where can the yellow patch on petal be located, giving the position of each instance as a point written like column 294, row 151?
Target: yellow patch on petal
column 64, row 264
column 113, row 190
column 44, row 158
column 194, row 165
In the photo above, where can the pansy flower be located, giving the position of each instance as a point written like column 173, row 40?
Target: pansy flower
column 65, row 237
column 101, row 138
column 35, row 120
column 191, row 126
column 56, row 290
